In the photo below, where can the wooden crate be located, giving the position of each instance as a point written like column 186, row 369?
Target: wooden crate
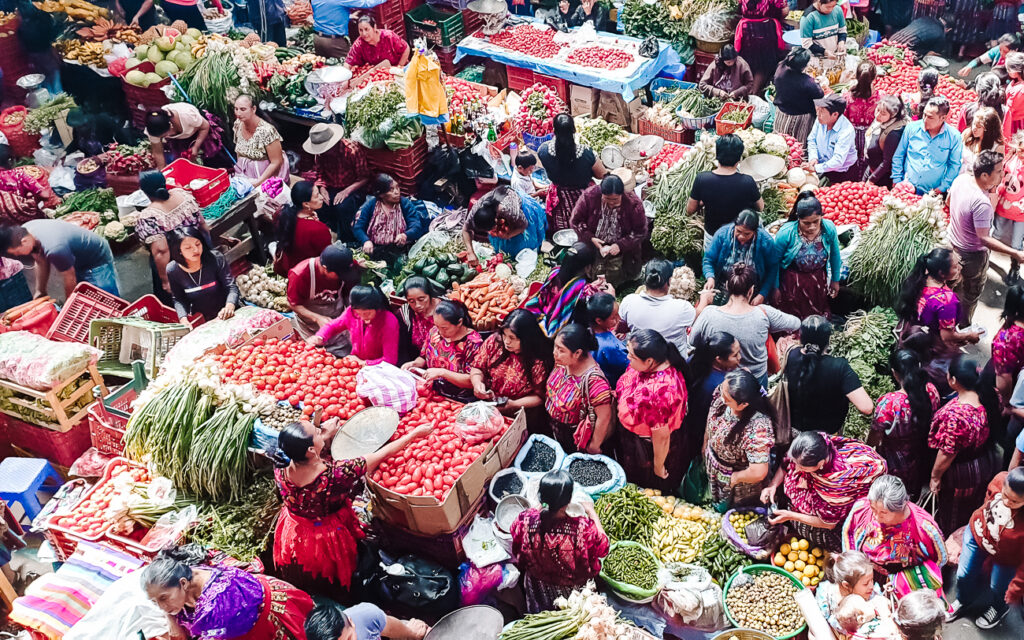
column 49, row 403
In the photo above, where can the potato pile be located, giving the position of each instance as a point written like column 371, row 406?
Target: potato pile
column 804, row 562
column 765, row 603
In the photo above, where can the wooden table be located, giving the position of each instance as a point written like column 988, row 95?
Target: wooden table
column 242, row 212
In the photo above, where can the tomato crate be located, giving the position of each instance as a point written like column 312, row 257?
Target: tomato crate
column 560, row 86
column 54, row 408
column 182, row 172
column 85, row 304
column 723, row 127
column 441, row 27
column 677, row 134
column 64, row 540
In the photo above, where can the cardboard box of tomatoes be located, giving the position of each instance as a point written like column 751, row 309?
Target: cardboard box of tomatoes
column 428, row 516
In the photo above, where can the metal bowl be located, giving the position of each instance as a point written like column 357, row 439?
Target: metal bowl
column 508, row 510
column 937, row 62
column 31, row 81
column 478, row 622
column 565, row 238
column 762, row 166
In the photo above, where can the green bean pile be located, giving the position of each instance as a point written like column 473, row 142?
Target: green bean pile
column 547, row 625
column 633, row 566
column 627, row 514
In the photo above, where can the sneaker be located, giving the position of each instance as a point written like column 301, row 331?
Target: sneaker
column 992, row 617
column 957, row 610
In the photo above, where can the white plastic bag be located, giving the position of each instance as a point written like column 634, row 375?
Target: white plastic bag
column 385, row 385
column 482, row 548
column 478, row 422
column 121, row 612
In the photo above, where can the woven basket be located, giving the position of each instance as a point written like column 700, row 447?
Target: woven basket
column 710, row 47
column 743, row 634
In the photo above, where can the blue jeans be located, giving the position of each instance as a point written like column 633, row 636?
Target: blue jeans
column 103, row 276
column 969, row 574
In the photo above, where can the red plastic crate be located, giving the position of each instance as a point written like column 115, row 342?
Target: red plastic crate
column 471, row 21
column 678, row 135
column 62, row 448
column 107, row 423
column 560, row 86
column 85, row 304
column 183, row 172
column 446, row 60
column 149, row 307
column 519, row 78
column 722, row 127
column 142, row 100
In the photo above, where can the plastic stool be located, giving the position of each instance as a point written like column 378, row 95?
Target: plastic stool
column 21, row 478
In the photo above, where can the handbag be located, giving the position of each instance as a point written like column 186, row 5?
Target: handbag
column 774, row 366
column 927, row 501
column 778, row 397
column 585, row 430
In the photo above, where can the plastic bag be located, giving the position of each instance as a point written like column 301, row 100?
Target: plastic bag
column 480, row 545
column 33, row 361
column 385, row 385
column 169, row 529
column 649, row 47
column 478, row 422
column 477, row 585
column 690, row 598
column 90, row 464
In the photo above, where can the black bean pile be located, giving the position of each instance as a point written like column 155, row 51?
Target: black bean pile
column 507, row 485
column 539, row 459
column 589, row 473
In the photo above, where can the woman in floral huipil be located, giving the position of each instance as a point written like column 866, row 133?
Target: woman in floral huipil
column 417, row 314
column 514, row 364
column 652, row 405
column 556, row 553
column 739, row 440
column 1008, row 345
column 964, row 460
column 448, row 353
column 257, row 145
column 579, row 398
column 861, row 100
column 899, row 430
column 317, row 530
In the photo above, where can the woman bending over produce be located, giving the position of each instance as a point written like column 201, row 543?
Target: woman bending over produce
column 317, row 530
column 179, row 130
column 579, row 398
column 300, row 233
column 507, row 218
column 738, row 441
column 964, row 456
column 563, row 298
column 652, row 405
column 512, row 366
column 809, row 260
column 372, row 328
column 200, row 278
column 219, row 601
column 389, row 224
column 448, row 351
column 902, row 418
column 557, row 553
column 168, row 210
column 417, row 314
column 22, row 195
column 823, row 475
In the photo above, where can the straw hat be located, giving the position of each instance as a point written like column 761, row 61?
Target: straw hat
column 322, row 137
column 627, row 178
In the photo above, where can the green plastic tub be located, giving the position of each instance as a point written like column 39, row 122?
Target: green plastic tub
column 755, row 569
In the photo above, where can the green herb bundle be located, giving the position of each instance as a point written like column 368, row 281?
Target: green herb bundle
column 209, row 80
column 240, row 528
column 98, row 200
column 676, row 234
column 377, row 115
column 866, row 342
column 597, row 134
column 45, row 114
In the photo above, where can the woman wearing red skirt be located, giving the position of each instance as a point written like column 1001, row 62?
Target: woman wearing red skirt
column 317, row 530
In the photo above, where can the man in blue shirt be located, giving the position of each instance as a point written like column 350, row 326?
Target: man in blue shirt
column 363, row 621
column 831, row 147
column 330, row 25
column 929, row 153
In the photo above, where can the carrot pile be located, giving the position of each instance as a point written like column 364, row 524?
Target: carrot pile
column 36, row 316
column 488, row 298
column 299, row 12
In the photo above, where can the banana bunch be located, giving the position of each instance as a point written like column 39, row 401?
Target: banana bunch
column 87, row 53
column 678, row 540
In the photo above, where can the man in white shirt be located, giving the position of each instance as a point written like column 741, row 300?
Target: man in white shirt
column 831, row 147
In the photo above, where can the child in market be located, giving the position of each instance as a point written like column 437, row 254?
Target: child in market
column 522, row 178
column 862, row 619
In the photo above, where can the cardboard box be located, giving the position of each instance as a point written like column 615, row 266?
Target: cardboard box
column 613, row 108
column 583, row 100
column 424, row 515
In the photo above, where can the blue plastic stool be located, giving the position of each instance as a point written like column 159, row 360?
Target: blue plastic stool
column 22, row 478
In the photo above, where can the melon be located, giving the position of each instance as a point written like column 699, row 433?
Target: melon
column 137, row 78
column 154, row 55
column 165, row 68
column 195, row 33
column 141, row 50
column 181, row 58
column 153, row 78
column 131, row 63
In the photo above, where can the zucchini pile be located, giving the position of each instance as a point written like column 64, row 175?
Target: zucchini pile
column 443, row 269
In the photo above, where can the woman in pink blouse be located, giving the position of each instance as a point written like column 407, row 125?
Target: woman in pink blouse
column 377, row 47
column 579, row 398
column 372, row 328
column 652, row 405
column 1008, row 345
column 964, row 459
column 417, row 314
column 861, row 100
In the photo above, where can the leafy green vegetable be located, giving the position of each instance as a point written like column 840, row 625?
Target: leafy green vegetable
column 98, row 200
column 377, row 115
column 866, row 341
column 597, row 134
column 44, row 115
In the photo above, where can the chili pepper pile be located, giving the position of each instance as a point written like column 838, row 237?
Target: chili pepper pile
column 628, row 514
column 632, row 565
column 529, row 41
column 601, row 58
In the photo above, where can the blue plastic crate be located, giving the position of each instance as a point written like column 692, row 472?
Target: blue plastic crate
column 660, row 88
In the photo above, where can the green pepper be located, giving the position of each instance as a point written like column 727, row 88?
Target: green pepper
column 430, row 271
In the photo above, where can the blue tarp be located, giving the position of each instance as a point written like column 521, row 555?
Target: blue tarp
column 587, row 77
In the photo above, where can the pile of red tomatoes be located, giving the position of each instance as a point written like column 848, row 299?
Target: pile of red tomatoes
column 430, row 466
column 93, row 515
column 851, row 202
column 601, row 58
column 529, row 41
column 670, row 154
column 902, row 79
column 296, row 372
